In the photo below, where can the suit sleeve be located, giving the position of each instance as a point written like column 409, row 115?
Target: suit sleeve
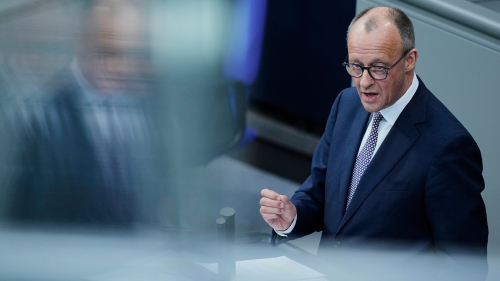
column 309, row 199
column 455, row 207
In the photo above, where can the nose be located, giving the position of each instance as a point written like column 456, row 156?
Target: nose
column 366, row 79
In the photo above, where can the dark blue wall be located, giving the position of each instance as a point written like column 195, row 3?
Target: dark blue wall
column 303, row 49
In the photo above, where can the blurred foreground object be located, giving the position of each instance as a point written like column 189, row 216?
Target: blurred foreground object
column 115, row 136
column 90, row 141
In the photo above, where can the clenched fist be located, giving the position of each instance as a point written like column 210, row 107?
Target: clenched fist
column 277, row 210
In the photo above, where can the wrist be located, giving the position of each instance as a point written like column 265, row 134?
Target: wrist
column 290, row 227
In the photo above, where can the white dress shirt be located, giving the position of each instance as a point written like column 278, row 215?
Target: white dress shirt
column 390, row 115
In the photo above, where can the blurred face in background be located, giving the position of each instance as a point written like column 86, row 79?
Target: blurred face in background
column 114, row 48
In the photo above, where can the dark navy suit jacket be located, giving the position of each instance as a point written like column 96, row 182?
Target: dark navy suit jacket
column 420, row 193
column 67, row 176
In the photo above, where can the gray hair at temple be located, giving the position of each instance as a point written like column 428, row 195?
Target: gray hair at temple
column 396, row 16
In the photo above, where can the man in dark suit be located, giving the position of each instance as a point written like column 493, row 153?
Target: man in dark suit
column 394, row 170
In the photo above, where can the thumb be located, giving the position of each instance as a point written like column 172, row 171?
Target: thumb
column 285, row 200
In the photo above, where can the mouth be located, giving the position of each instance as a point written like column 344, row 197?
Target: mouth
column 370, row 95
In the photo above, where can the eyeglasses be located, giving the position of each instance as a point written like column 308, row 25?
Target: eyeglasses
column 376, row 72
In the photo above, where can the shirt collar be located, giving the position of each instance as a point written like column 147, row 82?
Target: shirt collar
column 392, row 112
column 89, row 93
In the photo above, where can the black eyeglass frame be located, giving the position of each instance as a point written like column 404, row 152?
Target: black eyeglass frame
column 368, row 67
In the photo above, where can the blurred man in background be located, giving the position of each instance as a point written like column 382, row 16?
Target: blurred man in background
column 91, row 145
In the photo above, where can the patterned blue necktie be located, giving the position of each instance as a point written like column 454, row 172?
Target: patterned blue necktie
column 365, row 156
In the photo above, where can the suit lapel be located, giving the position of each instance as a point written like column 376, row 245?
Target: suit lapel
column 354, row 138
column 399, row 140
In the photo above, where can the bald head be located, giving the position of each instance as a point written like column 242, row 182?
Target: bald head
column 374, row 18
column 370, row 24
column 113, row 20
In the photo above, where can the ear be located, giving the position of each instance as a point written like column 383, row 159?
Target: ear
column 411, row 60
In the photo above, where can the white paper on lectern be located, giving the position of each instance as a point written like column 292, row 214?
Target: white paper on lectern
column 280, row 268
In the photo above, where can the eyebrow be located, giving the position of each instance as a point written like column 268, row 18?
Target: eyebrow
column 372, row 63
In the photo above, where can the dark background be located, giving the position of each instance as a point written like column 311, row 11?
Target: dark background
column 303, row 49
column 299, row 78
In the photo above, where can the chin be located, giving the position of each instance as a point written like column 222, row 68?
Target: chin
column 371, row 108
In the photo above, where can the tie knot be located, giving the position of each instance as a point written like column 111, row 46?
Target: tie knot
column 377, row 117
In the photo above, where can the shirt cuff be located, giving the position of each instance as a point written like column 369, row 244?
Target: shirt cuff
column 288, row 230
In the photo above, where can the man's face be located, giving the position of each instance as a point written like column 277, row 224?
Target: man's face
column 115, row 51
column 379, row 47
